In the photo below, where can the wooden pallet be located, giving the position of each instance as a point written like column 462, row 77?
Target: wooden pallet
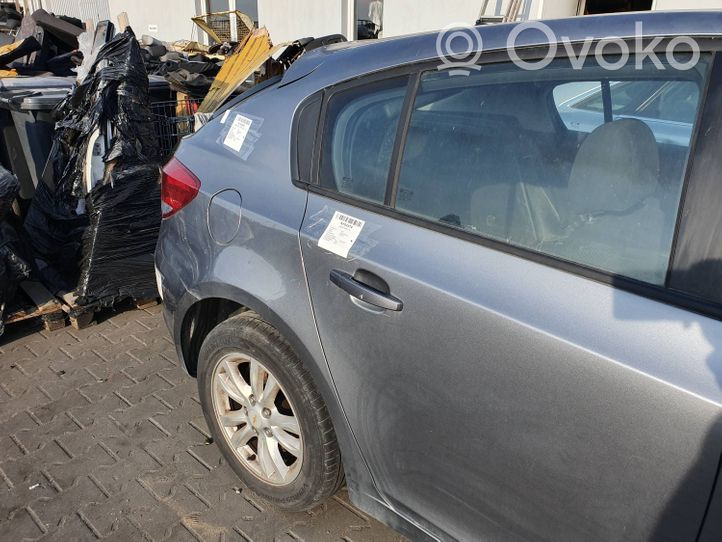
column 82, row 316
column 36, row 302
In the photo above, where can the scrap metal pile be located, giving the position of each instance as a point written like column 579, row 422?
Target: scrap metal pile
column 191, row 73
column 80, row 207
column 44, row 44
column 190, row 67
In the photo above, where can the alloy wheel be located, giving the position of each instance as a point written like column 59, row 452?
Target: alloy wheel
column 257, row 419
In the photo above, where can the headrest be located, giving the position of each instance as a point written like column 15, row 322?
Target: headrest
column 617, row 167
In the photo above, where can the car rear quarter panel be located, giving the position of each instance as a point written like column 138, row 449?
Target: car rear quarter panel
column 262, row 267
column 263, row 256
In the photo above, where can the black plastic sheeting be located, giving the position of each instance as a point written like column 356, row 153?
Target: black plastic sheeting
column 118, row 247
column 102, row 248
column 56, row 237
column 9, row 189
column 14, row 266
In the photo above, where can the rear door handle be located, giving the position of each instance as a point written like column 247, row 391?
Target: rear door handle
column 365, row 293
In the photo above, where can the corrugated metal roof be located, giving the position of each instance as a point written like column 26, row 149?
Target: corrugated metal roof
column 95, row 10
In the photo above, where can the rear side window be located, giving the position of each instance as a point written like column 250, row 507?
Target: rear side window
column 359, row 137
column 525, row 158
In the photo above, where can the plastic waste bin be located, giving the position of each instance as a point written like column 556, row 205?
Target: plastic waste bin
column 27, row 125
column 31, row 112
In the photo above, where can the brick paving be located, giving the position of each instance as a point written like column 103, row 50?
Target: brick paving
column 102, row 437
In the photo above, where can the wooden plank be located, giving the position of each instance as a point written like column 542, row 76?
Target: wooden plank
column 141, row 304
column 40, row 295
column 19, row 315
column 80, row 317
column 44, row 304
column 250, row 56
column 69, row 300
column 123, row 21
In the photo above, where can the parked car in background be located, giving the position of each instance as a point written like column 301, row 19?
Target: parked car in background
column 668, row 107
column 494, row 313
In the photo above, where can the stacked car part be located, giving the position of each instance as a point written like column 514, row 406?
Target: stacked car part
column 100, row 199
column 45, row 43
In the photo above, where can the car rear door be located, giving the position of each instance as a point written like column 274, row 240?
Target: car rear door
column 513, row 364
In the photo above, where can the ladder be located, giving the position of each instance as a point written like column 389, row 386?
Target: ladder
column 510, row 15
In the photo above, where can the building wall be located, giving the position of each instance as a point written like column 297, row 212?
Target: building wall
column 410, row 16
column 171, row 17
column 687, row 4
column 288, row 20
column 291, row 19
column 168, row 21
column 557, row 9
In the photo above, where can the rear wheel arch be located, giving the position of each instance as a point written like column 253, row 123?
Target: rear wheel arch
column 198, row 321
column 230, row 301
column 212, row 305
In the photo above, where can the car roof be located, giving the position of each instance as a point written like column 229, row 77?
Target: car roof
column 338, row 62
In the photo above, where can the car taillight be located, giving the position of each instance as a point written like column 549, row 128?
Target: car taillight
column 178, row 187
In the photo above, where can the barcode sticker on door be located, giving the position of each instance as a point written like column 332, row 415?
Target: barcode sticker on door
column 341, row 233
column 238, row 132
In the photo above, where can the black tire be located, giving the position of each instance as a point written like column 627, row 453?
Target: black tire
column 321, row 472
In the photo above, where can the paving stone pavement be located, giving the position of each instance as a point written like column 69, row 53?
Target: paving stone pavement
column 102, row 437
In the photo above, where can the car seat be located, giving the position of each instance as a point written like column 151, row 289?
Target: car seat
column 613, row 218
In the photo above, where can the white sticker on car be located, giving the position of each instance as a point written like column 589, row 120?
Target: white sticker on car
column 225, row 116
column 238, row 132
column 340, row 234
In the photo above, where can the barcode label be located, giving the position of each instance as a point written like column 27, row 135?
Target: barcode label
column 350, row 220
column 238, row 132
column 341, row 234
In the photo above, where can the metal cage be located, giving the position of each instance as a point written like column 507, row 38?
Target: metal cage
column 218, row 25
column 173, row 119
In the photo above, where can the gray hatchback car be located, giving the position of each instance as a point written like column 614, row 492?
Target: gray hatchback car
column 426, row 282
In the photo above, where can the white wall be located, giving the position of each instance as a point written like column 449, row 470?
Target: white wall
column 688, row 4
column 291, row 19
column 173, row 19
column 557, row 9
column 411, row 16
column 288, row 20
